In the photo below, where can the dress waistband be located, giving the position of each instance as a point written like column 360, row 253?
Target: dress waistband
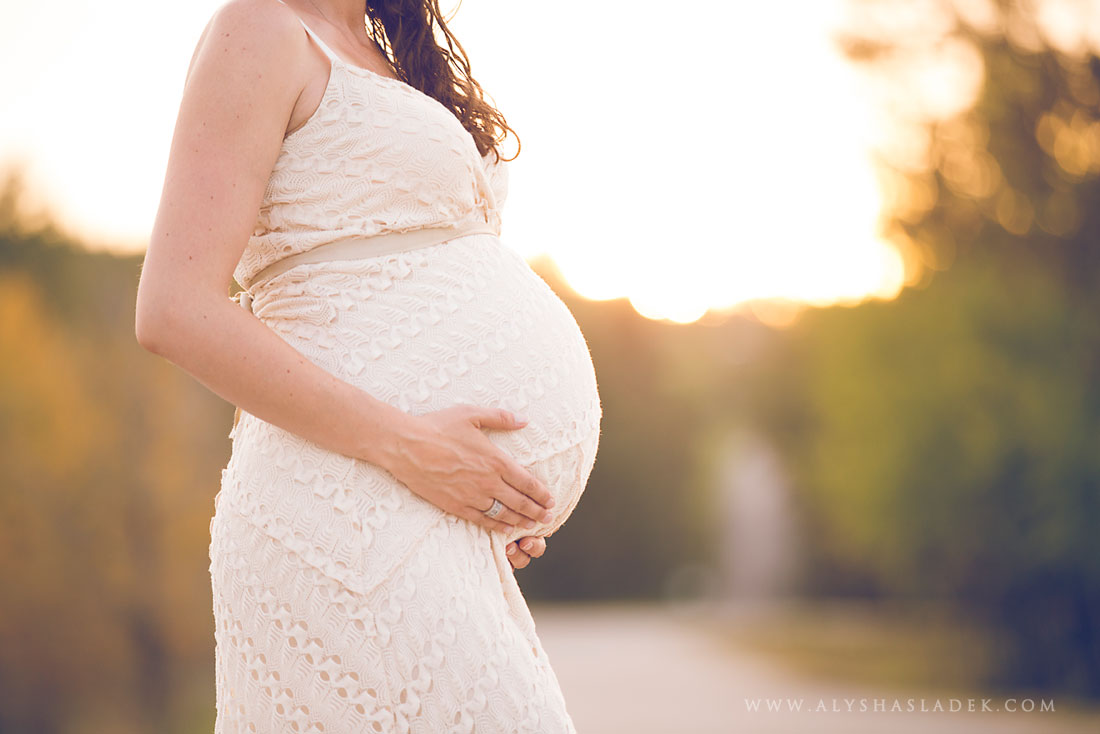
column 361, row 248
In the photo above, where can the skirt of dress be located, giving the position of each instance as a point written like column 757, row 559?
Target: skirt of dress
column 444, row 643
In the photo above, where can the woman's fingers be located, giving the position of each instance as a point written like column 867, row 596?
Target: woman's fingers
column 534, row 546
column 526, row 484
column 514, row 518
column 520, row 510
column 446, row 459
column 496, row 418
column 525, row 495
column 517, row 557
column 511, row 517
column 523, row 550
column 478, row 517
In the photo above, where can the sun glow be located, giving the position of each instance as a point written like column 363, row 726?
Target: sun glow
column 690, row 190
column 729, row 169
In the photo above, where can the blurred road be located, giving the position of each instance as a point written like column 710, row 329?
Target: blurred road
column 657, row 670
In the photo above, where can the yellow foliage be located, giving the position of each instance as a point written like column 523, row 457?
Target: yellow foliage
column 48, row 418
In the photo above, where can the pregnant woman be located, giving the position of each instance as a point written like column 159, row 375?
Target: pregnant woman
column 413, row 398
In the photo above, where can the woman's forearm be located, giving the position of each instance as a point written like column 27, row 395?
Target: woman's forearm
column 237, row 357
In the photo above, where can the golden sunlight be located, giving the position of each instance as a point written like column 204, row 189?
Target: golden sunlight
column 715, row 160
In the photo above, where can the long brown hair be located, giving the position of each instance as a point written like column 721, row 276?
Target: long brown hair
column 406, row 32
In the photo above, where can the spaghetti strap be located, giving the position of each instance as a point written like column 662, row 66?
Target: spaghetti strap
column 324, row 47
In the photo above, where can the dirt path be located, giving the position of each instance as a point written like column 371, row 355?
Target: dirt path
column 650, row 670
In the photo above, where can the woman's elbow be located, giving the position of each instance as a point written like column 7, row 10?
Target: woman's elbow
column 148, row 329
column 173, row 320
column 153, row 320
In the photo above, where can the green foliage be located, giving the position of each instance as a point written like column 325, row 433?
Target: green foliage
column 953, row 451
column 108, row 461
column 946, row 445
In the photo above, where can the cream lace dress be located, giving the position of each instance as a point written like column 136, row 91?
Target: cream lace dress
column 342, row 601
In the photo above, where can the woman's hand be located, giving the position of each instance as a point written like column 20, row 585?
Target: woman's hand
column 523, row 550
column 445, row 458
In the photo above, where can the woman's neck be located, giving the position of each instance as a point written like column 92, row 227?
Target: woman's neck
column 344, row 14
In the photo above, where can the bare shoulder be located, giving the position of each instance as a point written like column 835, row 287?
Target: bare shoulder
column 257, row 34
column 240, row 92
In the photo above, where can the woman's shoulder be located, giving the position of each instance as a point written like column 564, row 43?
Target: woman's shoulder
column 266, row 30
column 273, row 13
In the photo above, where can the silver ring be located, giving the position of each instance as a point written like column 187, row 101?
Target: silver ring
column 495, row 510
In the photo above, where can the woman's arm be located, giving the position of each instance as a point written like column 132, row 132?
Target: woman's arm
column 247, row 72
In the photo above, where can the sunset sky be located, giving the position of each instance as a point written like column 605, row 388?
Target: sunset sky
column 688, row 160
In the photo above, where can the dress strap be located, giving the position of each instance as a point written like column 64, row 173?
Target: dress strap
column 312, row 34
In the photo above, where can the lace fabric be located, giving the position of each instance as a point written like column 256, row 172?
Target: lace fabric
column 377, row 156
column 446, row 643
column 343, row 602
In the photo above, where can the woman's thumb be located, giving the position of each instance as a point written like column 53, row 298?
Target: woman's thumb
column 499, row 418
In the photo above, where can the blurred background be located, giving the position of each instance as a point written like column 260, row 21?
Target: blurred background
column 838, row 263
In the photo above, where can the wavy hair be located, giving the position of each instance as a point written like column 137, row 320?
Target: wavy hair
column 406, row 31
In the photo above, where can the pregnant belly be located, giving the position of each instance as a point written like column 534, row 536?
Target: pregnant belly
column 464, row 322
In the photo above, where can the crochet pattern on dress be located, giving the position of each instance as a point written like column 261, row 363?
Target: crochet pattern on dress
column 343, row 602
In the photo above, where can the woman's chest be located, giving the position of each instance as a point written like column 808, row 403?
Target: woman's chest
column 386, row 132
